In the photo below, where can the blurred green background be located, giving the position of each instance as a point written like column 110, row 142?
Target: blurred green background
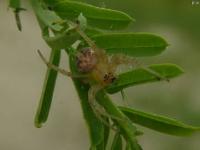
column 22, row 74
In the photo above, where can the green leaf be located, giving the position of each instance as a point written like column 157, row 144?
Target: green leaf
column 117, row 142
column 128, row 146
column 106, row 134
column 96, row 16
column 64, row 39
column 61, row 40
column 47, row 91
column 142, row 75
column 92, row 31
column 48, row 18
column 96, row 128
column 159, row 123
column 133, row 44
column 15, row 3
column 103, row 144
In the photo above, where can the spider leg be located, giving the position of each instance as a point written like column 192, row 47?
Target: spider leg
column 151, row 71
column 99, row 111
column 51, row 66
column 156, row 74
column 124, row 98
column 86, row 38
column 77, row 28
column 62, row 71
column 120, row 59
column 95, row 107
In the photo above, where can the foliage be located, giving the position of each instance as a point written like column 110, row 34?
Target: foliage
column 52, row 16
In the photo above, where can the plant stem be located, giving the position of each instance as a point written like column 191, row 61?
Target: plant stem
column 125, row 124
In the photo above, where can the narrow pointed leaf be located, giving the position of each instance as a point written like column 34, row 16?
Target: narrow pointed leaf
column 49, row 18
column 96, row 16
column 66, row 38
column 159, row 123
column 141, row 75
column 129, row 146
column 132, row 44
column 46, row 17
column 106, row 134
column 103, row 144
column 96, row 130
column 92, row 31
column 15, row 3
column 117, row 142
column 47, row 91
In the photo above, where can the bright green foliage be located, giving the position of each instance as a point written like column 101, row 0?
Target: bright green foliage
column 142, row 75
column 117, row 142
column 97, row 17
column 15, row 4
column 47, row 91
column 47, row 18
column 106, row 132
column 53, row 16
column 133, row 44
column 159, row 123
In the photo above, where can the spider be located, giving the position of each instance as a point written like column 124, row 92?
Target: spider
column 98, row 68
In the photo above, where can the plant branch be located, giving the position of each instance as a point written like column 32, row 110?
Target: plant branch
column 125, row 124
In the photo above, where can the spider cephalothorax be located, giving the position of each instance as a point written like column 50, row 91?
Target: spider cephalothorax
column 86, row 60
column 96, row 63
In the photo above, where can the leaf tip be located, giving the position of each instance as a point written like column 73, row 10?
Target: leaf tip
column 178, row 68
column 37, row 123
column 131, row 18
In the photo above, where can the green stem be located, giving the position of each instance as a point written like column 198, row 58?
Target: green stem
column 125, row 124
column 96, row 128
